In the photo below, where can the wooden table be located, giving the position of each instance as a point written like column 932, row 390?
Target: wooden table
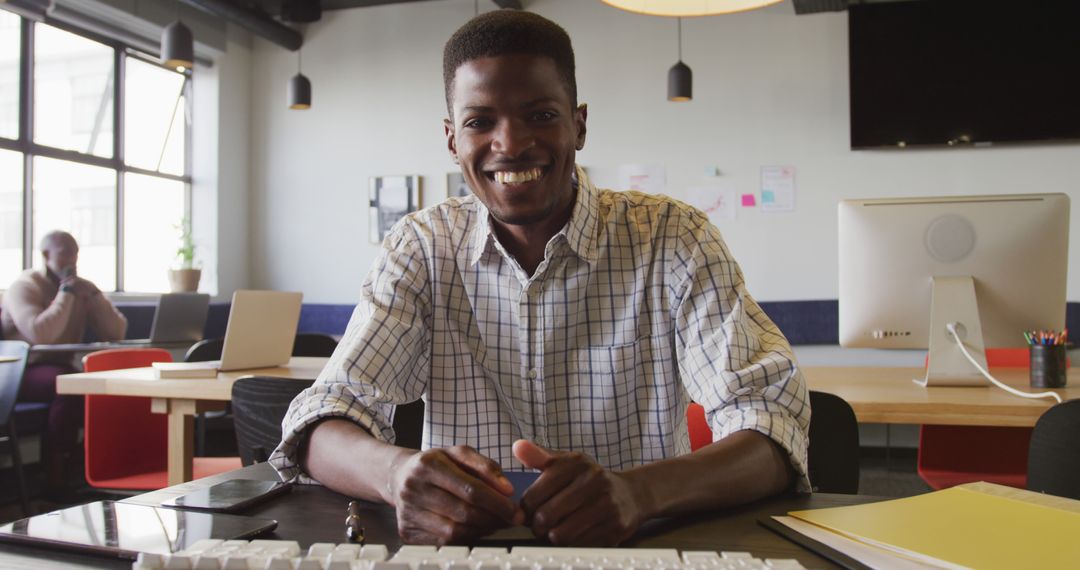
column 888, row 395
column 180, row 398
column 878, row 395
column 311, row 513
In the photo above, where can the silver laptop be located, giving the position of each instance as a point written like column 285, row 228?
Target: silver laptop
column 261, row 330
column 180, row 317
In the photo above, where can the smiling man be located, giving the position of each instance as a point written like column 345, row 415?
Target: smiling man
column 548, row 325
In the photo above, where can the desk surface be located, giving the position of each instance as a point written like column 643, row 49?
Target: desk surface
column 314, row 514
column 888, row 395
column 878, row 395
column 141, row 381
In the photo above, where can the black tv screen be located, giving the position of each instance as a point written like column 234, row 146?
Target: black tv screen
column 936, row 72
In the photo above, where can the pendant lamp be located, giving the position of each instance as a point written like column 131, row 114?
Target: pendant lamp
column 688, row 8
column 680, row 80
column 177, row 46
column 299, row 88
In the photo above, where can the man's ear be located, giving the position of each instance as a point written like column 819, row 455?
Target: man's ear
column 451, row 140
column 580, row 115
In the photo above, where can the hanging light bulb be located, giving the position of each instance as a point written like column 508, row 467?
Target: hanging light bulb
column 680, row 79
column 299, row 88
column 177, row 45
column 688, row 7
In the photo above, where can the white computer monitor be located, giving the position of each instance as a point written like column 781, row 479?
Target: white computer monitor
column 995, row 265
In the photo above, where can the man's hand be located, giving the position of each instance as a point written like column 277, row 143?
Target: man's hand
column 451, row 495
column 82, row 288
column 575, row 501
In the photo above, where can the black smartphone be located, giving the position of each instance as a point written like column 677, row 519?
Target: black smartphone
column 230, row 496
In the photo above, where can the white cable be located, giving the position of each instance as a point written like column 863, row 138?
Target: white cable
column 952, row 329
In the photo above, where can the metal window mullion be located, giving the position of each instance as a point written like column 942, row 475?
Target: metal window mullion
column 188, row 161
column 26, row 135
column 119, row 78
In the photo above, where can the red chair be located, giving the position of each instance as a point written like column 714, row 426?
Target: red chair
column 954, row 455
column 698, row 426
column 126, row 443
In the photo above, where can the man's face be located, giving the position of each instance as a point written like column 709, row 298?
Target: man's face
column 61, row 256
column 515, row 132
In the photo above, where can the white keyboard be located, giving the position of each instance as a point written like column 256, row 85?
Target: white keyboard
column 287, row 555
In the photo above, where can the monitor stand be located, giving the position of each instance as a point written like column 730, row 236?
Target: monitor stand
column 953, row 301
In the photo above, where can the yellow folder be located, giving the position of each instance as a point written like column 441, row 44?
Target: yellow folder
column 980, row 525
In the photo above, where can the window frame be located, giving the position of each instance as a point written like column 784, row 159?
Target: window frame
column 29, row 149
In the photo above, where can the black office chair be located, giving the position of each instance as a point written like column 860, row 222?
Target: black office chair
column 306, row 344
column 314, row 344
column 834, row 445
column 31, row 417
column 204, row 350
column 1054, row 455
column 261, row 402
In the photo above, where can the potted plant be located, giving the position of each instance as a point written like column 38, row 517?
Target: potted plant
column 185, row 277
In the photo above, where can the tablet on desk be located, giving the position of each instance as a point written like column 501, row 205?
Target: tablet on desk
column 124, row 530
column 229, row 496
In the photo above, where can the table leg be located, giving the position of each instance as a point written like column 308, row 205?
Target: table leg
column 181, row 422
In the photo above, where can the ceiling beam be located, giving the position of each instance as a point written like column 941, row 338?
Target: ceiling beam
column 253, row 21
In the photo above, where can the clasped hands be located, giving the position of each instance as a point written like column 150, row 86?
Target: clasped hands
column 454, row 495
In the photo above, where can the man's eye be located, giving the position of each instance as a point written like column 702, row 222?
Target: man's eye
column 544, row 116
column 477, row 123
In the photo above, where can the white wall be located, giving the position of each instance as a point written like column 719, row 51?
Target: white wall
column 221, row 166
column 770, row 89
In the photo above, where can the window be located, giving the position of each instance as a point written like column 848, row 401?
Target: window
column 107, row 164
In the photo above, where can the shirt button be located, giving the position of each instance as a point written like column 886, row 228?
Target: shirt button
column 533, row 374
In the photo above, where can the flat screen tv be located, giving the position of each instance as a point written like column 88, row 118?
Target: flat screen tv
column 949, row 72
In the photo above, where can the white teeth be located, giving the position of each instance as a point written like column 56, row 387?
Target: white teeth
column 504, row 177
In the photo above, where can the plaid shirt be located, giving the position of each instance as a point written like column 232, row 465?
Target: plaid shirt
column 636, row 310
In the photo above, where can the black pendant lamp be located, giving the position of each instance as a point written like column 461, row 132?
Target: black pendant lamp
column 299, row 88
column 177, row 46
column 680, row 79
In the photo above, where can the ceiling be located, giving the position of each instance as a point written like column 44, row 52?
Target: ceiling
column 273, row 7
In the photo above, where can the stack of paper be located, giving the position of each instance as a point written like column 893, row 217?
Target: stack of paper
column 979, row 525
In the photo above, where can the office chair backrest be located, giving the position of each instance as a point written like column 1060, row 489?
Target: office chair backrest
column 259, row 403
column 306, row 344
column 834, row 445
column 1054, row 455
column 121, row 358
column 208, row 349
column 11, row 374
column 120, row 430
column 314, row 344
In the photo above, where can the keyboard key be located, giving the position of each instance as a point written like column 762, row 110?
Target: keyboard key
column 376, row 552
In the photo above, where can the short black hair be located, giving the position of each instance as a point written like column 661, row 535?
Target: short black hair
column 506, row 32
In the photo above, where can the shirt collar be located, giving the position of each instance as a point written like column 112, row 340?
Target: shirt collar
column 579, row 232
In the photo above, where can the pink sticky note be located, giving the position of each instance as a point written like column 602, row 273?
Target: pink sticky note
column 748, row 201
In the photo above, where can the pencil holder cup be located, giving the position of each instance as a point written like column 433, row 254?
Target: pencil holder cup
column 1047, row 365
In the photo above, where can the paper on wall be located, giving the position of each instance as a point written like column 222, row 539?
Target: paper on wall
column 717, row 200
column 777, row 188
column 648, row 178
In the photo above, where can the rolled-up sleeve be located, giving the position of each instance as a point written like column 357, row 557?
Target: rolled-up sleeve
column 732, row 358
column 382, row 360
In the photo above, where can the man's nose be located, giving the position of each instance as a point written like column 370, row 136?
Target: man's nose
column 512, row 138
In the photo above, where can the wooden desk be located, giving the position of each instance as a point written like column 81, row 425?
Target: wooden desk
column 888, row 395
column 311, row 513
column 181, row 399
